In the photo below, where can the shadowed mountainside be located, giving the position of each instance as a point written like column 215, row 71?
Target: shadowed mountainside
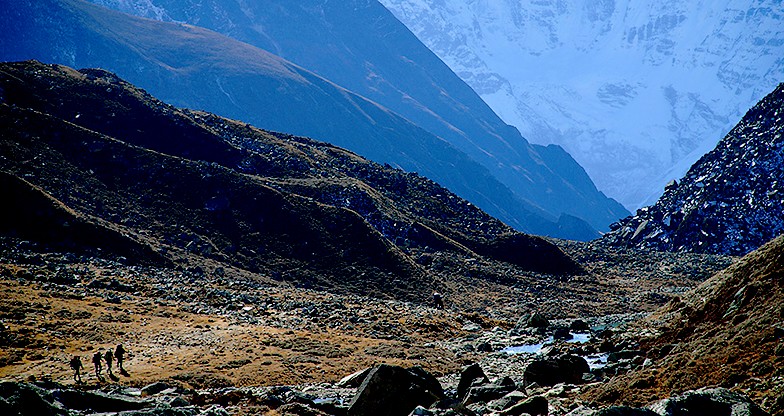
column 196, row 68
column 196, row 186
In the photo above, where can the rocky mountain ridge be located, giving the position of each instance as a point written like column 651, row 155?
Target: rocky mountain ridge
column 195, row 185
column 635, row 91
column 731, row 201
column 536, row 189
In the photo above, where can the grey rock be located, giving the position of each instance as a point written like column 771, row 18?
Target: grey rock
column 20, row 399
column 624, row 411
column 708, row 402
column 354, row 380
column 468, row 375
column 97, row 401
column 508, row 401
column 155, row 388
column 534, row 406
column 393, row 391
column 487, row 392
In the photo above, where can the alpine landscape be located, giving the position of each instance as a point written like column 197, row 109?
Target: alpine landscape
column 306, row 207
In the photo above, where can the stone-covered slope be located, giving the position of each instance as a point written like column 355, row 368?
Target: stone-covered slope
column 197, row 187
column 727, row 332
column 730, row 202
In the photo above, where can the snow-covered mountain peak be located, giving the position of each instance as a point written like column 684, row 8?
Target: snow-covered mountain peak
column 635, row 91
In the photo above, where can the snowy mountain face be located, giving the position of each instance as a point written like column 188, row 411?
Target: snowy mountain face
column 635, row 91
column 730, row 202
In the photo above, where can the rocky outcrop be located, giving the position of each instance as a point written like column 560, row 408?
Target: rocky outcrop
column 468, row 376
column 730, row 202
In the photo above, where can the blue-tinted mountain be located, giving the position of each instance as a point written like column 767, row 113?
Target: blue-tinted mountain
column 198, row 68
column 388, row 65
column 730, row 202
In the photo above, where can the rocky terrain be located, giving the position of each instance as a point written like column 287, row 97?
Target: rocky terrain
column 731, row 201
column 727, row 332
column 250, row 272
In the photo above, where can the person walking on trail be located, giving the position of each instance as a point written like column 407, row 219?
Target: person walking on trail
column 438, row 301
column 119, row 354
column 76, row 365
column 97, row 358
column 109, row 358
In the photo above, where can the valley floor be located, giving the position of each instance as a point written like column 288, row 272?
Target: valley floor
column 224, row 328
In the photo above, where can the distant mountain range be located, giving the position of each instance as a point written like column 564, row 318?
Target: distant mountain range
column 730, row 202
column 636, row 91
column 94, row 166
column 422, row 117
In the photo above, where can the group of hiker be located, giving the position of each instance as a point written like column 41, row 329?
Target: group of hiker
column 98, row 359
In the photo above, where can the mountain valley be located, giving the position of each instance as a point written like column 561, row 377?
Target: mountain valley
column 245, row 271
column 209, row 294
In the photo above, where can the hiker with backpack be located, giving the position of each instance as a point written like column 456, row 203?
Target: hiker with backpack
column 76, row 365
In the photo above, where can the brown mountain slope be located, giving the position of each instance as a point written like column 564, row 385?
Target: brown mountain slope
column 727, row 332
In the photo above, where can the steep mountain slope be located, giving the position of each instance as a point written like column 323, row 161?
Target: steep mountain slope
column 389, row 65
column 730, row 202
column 635, row 91
column 197, row 188
column 197, row 68
column 726, row 332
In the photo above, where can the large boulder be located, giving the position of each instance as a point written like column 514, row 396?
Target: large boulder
column 98, row 401
column 534, row 406
column 395, row 391
column 484, row 393
column 20, row 399
column 534, row 320
column 551, row 371
column 468, row 376
column 624, row 411
column 708, row 402
column 354, row 380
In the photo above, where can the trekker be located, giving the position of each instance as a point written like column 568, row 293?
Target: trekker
column 438, row 301
column 119, row 354
column 97, row 363
column 76, row 365
column 109, row 358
